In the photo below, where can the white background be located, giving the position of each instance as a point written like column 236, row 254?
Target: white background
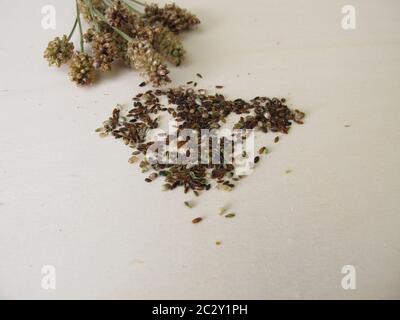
column 70, row 199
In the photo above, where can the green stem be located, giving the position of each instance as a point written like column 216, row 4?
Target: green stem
column 80, row 26
column 138, row 2
column 129, row 5
column 89, row 3
column 73, row 29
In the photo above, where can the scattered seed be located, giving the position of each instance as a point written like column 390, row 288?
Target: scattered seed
column 263, row 150
column 133, row 159
column 218, row 243
column 288, row 171
column 197, row 220
column 276, row 139
column 199, row 75
column 219, row 87
column 230, row 215
column 142, row 84
column 189, row 204
column 347, row 126
column 194, row 109
column 222, row 211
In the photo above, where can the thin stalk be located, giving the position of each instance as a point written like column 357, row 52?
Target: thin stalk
column 80, row 26
column 138, row 2
column 90, row 5
column 129, row 5
column 73, row 29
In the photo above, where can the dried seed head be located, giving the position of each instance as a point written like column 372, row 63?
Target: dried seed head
column 105, row 50
column 142, row 56
column 119, row 16
column 171, row 16
column 59, row 51
column 85, row 10
column 81, row 70
column 168, row 45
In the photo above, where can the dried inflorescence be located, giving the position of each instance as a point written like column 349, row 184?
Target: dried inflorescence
column 168, row 45
column 142, row 56
column 84, row 8
column 105, row 50
column 118, row 16
column 119, row 31
column 195, row 110
column 81, row 70
column 171, row 16
column 59, row 51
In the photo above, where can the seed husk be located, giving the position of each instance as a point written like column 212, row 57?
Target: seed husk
column 230, row 215
column 189, row 204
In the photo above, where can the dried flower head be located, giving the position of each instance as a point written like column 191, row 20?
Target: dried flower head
column 168, row 45
column 171, row 16
column 105, row 50
column 85, row 10
column 81, row 70
column 118, row 16
column 142, row 56
column 59, row 51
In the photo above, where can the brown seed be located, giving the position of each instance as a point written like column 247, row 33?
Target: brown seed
column 197, row 220
column 218, row 243
column 276, row 139
column 199, row 75
column 219, row 87
column 142, row 84
column 263, row 150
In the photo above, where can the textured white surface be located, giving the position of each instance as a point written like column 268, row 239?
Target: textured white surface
column 70, row 199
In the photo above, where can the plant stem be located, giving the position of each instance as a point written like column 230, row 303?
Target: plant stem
column 73, row 29
column 80, row 26
column 89, row 3
column 129, row 5
column 138, row 2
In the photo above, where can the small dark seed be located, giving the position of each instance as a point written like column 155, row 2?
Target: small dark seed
column 197, row 220
column 256, row 159
column 142, row 84
column 199, row 75
column 276, row 139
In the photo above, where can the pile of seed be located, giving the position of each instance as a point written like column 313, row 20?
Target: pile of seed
column 195, row 109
